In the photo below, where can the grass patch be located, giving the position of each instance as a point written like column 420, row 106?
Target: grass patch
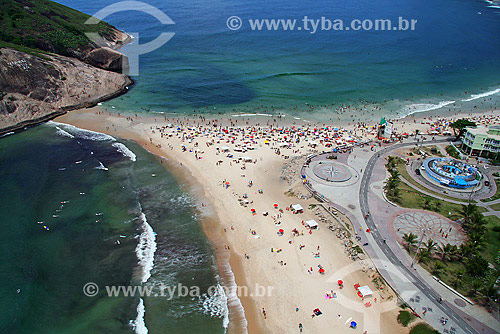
column 48, row 25
column 405, row 317
column 497, row 194
column 452, row 152
column 25, row 49
column 492, row 243
column 495, row 207
column 413, row 199
column 423, row 328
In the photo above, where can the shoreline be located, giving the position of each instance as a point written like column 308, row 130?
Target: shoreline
column 142, row 130
column 245, row 276
column 209, row 223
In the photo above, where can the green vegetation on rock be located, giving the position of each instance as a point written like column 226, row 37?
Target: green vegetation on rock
column 49, row 26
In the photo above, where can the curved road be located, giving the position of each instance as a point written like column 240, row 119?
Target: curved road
column 363, row 201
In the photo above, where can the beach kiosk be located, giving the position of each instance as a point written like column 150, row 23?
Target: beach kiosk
column 297, row 208
column 365, row 291
column 312, row 224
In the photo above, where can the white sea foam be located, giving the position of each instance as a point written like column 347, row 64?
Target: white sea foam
column 248, row 115
column 215, row 305
column 139, row 325
column 125, row 151
column 422, row 107
column 7, row 134
column 101, row 166
column 146, row 248
column 82, row 133
column 478, row 96
column 63, row 133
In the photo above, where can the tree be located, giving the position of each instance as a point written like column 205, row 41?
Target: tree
column 467, row 250
column 410, row 240
column 423, row 255
column 458, row 277
column 476, row 285
column 467, row 211
column 490, row 294
column 437, row 267
column 447, row 252
column 477, row 266
column 430, row 245
column 460, row 125
column 426, row 205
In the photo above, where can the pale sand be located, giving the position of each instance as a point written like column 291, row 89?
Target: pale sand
column 292, row 285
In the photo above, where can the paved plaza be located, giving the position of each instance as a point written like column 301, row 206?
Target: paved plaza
column 332, row 171
column 436, row 227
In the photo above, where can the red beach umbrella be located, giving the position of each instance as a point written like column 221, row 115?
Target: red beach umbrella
column 275, row 205
column 281, row 230
column 322, row 271
column 253, row 210
column 340, row 282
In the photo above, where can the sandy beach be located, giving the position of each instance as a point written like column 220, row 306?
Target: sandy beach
column 244, row 171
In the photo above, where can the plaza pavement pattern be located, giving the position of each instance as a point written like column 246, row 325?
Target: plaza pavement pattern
column 361, row 200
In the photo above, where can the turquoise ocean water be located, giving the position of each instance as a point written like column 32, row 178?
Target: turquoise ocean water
column 449, row 63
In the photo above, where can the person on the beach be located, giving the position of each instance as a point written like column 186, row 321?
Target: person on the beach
column 264, row 313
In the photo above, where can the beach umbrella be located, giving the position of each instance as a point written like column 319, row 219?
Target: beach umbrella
column 281, row 230
column 340, row 282
column 275, row 205
column 322, row 271
column 253, row 210
column 353, row 324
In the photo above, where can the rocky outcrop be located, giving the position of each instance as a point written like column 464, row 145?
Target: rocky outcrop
column 109, row 59
column 33, row 89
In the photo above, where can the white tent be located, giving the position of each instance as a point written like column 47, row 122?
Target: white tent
column 312, row 224
column 297, row 207
column 365, row 291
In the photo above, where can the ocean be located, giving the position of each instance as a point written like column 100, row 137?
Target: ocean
column 79, row 207
column 449, row 63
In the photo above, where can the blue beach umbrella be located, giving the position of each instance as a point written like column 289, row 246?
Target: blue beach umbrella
column 353, row 324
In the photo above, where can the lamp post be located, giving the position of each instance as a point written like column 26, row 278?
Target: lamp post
column 418, row 247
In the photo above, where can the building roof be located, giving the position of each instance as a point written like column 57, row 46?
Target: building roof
column 482, row 130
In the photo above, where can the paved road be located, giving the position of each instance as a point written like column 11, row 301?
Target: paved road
column 363, row 198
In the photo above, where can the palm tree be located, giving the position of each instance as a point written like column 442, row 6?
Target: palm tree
column 447, row 252
column 410, row 240
column 458, row 277
column 430, row 245
column 437, row 267
column 467, row 211
column 427, row 203
column 476, row 285
column 423, row 255
column 490, row 294
column 468, row 249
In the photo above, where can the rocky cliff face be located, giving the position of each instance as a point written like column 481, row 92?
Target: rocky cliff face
column 33, row 89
